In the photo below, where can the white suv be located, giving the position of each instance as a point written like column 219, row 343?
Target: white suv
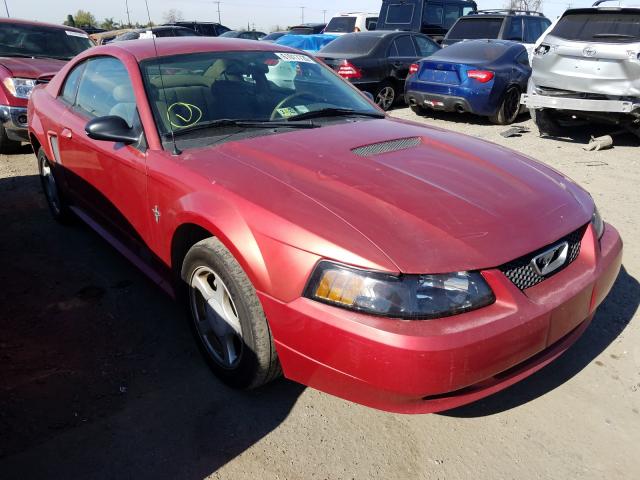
column 587, row 67
column 344, row 23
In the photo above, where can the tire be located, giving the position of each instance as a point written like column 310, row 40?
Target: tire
column 55, row 198
column 227, row 319
column 385, row 95
column 418, row 110
column 7, row 146
column 546, row 122
column 509, row 107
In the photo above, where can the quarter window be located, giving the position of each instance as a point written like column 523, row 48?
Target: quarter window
column 71, row 84
column 425, row 46
column 105, row 89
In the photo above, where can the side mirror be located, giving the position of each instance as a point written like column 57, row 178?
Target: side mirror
column 369, row 95
column 112, row 128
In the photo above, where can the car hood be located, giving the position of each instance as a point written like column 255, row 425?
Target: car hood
column 31, row 67
column 431, row 200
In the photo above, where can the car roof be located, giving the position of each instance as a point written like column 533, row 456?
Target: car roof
column 145, row 49
column 40, row 24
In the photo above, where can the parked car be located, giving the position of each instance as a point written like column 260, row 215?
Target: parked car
column 351, row 22
column 516, row 25
column 309, row 43
column 311, row 234
column 431, row 17
column 587, row 68
column 206, row 29
column 107, row 37
column 244, row 34
column 158, row 32
column 273, row 36
column 483, row 77
column 377, row 62
column 29, row 51
column 308, row 29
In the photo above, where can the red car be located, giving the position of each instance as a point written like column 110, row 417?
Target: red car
column 396, row 265
column 28, row 51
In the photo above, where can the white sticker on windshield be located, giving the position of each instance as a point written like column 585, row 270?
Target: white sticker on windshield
column 294, row 57
column 71, row 33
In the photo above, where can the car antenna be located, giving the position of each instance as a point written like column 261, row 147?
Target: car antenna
column 175, row 151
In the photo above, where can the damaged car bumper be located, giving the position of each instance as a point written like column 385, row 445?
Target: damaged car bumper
column 534, row 100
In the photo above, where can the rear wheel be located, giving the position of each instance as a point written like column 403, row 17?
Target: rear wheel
column 546, row 122
column 418, row 110
column 385, row 95
column 509, row 108
column 227, row 318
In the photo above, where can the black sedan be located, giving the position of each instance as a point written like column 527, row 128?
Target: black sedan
column 160, row 32
column 378, row 62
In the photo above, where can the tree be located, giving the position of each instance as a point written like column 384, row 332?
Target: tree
column 172, row 16
column 109, row 24
column 530, row 5
column 85, row 19
column 70, row 22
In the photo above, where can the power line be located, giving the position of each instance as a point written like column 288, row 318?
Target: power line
column 302, row 9
column 219, row 17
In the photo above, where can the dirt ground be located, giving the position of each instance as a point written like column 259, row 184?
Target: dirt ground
column 99, row 376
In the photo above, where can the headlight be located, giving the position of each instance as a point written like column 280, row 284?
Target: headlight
column 597, row 223
column 405, row 296
column 19, row 87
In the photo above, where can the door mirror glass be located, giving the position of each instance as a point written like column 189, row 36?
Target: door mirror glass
column 112, row 128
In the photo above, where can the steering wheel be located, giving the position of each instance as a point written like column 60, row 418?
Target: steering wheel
column 275, row 114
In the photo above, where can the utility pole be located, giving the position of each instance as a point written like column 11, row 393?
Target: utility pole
column 126, row 4
column 324, row 16
column 219, row 16
column 7, row 9
column 302, row 10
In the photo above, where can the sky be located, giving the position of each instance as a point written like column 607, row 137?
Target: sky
column 234, row 13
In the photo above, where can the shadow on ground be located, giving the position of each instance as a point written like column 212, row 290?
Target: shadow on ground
column 612, row 317
column 99, row 374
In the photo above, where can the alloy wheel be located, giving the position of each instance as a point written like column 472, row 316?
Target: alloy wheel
column 216, row 318
column 511, row 104
column 385, row 98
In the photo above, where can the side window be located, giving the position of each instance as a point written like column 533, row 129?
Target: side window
column 514, row 30
column 70, row 87
column 533, row 29
column 433, row 14
column 404, row 46
column 105, row 89
column 451, row 14
column 425, row 46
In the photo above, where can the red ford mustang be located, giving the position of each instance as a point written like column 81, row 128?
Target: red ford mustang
column 400, row 266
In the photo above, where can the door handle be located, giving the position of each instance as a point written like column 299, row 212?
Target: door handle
column 66, row 133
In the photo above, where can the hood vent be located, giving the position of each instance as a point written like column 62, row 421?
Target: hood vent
column 386, row 147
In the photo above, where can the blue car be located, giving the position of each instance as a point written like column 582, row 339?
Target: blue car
column 484, row 77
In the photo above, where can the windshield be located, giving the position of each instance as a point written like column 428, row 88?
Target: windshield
column 341, row 25
column 200, row 88
column 40, row 41
column 476, row 28
column 608, row 27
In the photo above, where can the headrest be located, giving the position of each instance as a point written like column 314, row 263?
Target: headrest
column 124, row 94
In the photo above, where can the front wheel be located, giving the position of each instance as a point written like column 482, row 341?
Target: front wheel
column 546, row 122
column 385, row 96
column 509, row 108
column 227, row 318
column 55, row 200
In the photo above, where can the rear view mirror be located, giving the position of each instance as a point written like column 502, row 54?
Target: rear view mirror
column 112, row 128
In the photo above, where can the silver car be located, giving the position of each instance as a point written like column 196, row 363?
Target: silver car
column 587, row 67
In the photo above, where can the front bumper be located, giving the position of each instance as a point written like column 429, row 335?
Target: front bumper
column 533, row 100
column 14, row 121
column 433, row 365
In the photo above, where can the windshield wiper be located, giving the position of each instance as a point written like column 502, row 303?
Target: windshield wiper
column 614, row 35
column 334, row 112
column 227, row 122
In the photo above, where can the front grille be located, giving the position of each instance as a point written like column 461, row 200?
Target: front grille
column 522, row 274
column 386, row 147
